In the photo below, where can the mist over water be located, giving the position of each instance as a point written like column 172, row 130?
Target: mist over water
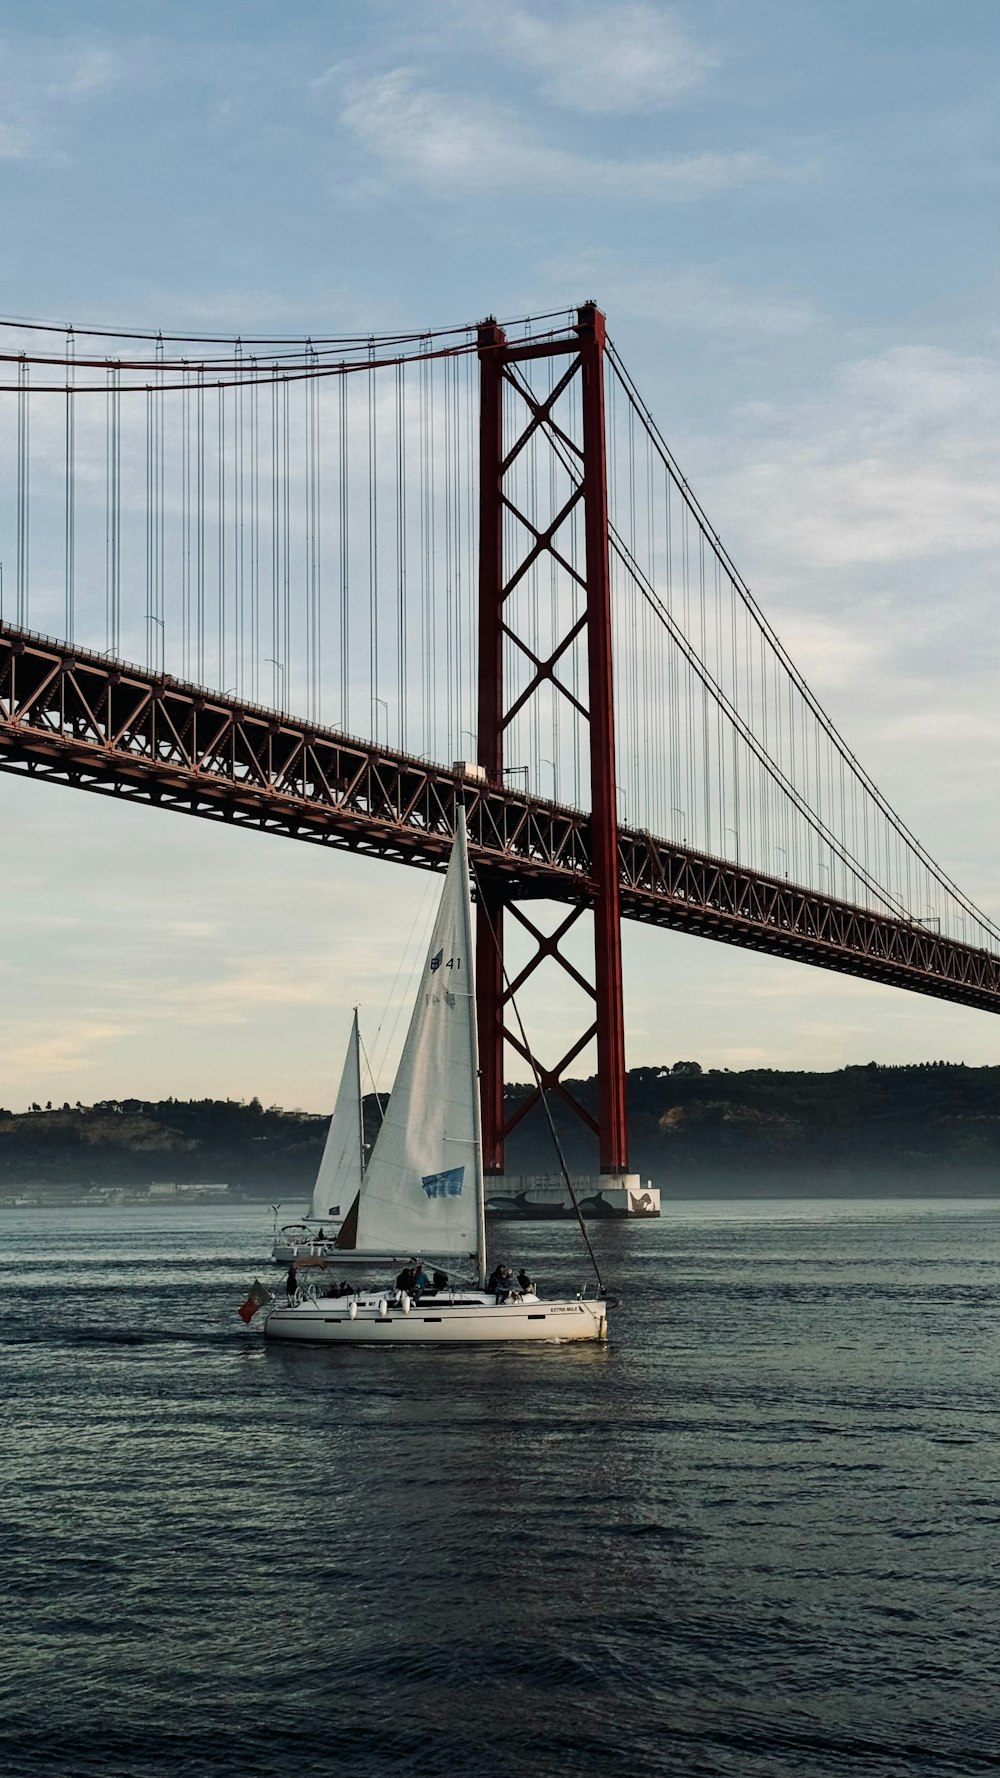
column 754, row 1536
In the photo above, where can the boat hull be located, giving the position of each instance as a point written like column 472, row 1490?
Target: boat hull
column 328, row 1321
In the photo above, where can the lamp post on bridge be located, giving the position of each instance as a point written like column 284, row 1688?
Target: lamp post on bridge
column 375, row 703
column 151, row 618
column 279, row 667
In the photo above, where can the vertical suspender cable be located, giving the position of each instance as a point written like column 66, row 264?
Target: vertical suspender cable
column 69, row 551
column 112, row 520
column 373, row 635
column 200, row 518
column 286, row 532
column 255, row 536
column 344, row 539
column 23, row 488
column 277, row 689
column 239, row 563
column 401, row 555
column 185, row 523
column 220, row 483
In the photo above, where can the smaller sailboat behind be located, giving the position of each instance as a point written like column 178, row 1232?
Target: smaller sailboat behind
column 338, row 1179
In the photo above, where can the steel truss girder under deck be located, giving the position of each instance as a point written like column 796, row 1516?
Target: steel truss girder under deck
column 74, row 717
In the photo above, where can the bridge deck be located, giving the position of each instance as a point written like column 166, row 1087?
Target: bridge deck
column 74, row 717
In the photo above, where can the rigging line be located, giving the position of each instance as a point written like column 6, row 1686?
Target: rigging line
column 542, row 1093
column 790, row 668
column 371, row 1076
column 426, row 909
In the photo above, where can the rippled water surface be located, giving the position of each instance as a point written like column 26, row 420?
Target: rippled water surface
column 755, row 1535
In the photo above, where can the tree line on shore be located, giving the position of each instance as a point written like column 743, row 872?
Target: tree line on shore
column 686, row 1123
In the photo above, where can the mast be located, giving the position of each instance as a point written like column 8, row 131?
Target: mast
column 477, row 1115
column 361, row 1109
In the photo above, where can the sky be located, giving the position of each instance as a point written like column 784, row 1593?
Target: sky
column 788, row 210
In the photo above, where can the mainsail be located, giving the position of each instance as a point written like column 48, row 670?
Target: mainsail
column 421, row 1192
column 339, row 1173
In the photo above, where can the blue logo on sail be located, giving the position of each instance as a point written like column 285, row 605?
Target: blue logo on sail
column 444, row 1185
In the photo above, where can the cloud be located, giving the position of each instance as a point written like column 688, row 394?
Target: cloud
column 455, row 145
column 898, row 462
column 15, row 141
column 84, row 69
column 603, row 59
column 38, row 1052
column 44, row 76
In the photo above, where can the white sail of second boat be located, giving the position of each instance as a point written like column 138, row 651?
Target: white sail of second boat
column 421, row 1192
column 339, row 1176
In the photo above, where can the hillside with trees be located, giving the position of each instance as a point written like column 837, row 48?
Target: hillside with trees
column 931, row 1127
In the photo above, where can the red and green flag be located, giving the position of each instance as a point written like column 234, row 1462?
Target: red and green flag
column 259, row 1295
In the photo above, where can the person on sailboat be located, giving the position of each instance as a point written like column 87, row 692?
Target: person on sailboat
column 500, row 1280
column 527, row 1284
column 292, row 1283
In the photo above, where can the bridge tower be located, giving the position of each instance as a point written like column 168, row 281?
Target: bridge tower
column 583, row 347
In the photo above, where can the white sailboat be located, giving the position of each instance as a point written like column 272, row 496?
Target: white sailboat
column 422, row 1194
column 341, row 1168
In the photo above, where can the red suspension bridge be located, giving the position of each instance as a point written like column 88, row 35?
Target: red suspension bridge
column 472, row 548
